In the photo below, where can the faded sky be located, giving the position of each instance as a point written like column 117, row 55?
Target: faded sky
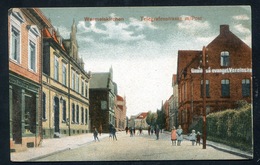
column 143, row 53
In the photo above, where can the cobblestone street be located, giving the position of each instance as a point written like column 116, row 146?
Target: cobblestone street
column 139, row 147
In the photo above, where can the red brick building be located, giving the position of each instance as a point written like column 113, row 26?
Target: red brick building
column 228, row 77
column 120, row 113
column 25, row 52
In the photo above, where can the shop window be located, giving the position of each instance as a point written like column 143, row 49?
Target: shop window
column 225, row 88
column 245, row 87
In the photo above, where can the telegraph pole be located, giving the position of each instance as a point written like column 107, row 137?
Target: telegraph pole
column 204, row 96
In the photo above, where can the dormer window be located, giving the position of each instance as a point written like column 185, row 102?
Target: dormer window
column 224, row 58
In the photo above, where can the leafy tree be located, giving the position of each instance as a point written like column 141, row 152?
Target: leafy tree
column 151, row 118
column 161, row 118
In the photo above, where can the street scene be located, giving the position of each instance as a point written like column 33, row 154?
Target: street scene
column 130, row 83
column 136, row 148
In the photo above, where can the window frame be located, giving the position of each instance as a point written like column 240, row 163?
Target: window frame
column 64, row 74
column 16, row 20
column 223, row 86
column 225, row 59
column 207, row 88
column 56, row 68
column 246, row 85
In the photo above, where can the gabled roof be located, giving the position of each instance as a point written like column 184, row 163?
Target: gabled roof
column 99, row 80
column 142, row 115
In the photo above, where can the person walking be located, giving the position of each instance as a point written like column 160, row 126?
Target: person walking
column 114, row 133
column 149, row 130
column 198, row 138
column 193, row 137
column 179, row 135
column 95, row 134
column 131, row 131
column 173, row 136
column 157, row 131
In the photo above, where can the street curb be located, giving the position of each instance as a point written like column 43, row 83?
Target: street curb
column 248, row 156
column 55, row 152
column 244, row 155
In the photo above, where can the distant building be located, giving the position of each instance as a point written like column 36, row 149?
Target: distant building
column 120, row 113
column 102, row 100
column 65, row 85
column 228, row 77
column 140, row 120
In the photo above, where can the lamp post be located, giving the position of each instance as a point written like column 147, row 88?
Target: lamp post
column 204, row 96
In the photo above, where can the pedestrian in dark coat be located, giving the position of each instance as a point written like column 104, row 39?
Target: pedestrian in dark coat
column 198, row 138
column 149, row 130
column 95, row 134
column 126, row 130
column 157, row 131
column 114, row 133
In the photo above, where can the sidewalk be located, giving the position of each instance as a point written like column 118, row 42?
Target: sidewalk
column 51, row 146
column 226, row 148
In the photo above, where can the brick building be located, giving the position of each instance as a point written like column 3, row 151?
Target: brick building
column 102, row 98
column 228, row 77
column 25, row 45
column 120, row 113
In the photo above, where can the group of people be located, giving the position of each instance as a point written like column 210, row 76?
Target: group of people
column 176, row 136
column 112, row 134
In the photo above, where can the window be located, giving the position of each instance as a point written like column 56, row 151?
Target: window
column 73, row 80
column 32, row 47
column 82, row 115
column 73, row 113
column 56, row 68
column 86, row 116
column 64, row 74
column 207, row 88
column 77, row 83
column 245, row 87
column 32, row 56
column 224, row 56
column 225, row 87
column 16, row 19
column 82, row 87
column 64, row 114
column 77, row 114
column 43, row 106
column 15, row 50
column 86, row 90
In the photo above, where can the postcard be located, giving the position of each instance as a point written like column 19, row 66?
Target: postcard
column 130, row 83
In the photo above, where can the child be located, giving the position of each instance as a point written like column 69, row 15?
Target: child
column 173, row 136
column 193, row 137
column 198, row 138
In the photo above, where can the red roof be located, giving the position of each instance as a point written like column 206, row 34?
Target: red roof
column 142, row 115
column 47, row 34
column 119, row 98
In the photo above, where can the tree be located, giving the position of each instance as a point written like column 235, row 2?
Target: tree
column 151, row 118
column 161, row 118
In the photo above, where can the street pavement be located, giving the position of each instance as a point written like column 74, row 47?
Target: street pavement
column 57, row 145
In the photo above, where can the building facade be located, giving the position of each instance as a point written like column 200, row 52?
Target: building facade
column 140, row 121
column 65, row 84
column 120, row 113
column 102, row 100
column 228, row 77
column 25, row 45
column 173, row 104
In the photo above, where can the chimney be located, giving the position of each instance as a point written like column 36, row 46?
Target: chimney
column 224, row 29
